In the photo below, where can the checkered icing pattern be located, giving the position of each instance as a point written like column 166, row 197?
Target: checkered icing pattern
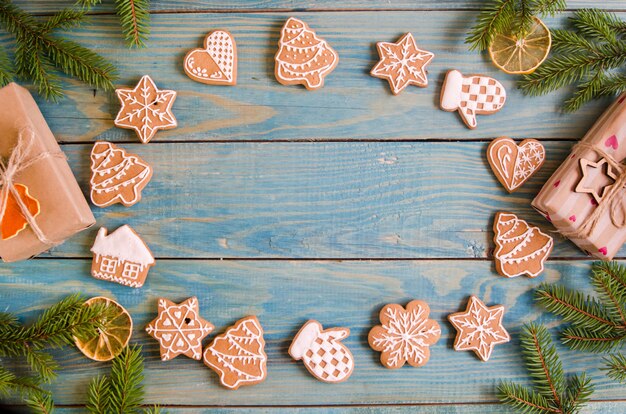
column 328, row 359
column 219, row 45
column 482, row 94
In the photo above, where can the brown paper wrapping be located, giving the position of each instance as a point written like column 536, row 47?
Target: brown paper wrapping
column 64, row 210
column 567, row 209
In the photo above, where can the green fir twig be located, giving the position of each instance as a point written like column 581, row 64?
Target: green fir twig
column 596, row 324
column 551, row 393
column 590, row 56
column 135, row 20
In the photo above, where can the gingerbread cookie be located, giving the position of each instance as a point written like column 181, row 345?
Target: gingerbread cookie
column 513, row 164
column 179, row 329
column 479, row 328
column 471, row 95
column 216, row 64
column 324, row 356
column 405, row 334
column 116, row 176
column 302, row 57
column 402, row 63
column 238, row 355
column 520, row 248
column 146, row 109
column 121, row 257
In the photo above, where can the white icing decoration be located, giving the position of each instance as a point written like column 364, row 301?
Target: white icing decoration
column 521, row 235
column 251, row 337
column 147, row 109
column 220, row 46
column 474, row 100
column 118, row 174
column 335, row 364
column 123, row 244
column 477, row 323
column 312, row 71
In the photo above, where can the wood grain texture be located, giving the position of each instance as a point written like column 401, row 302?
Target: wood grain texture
column 284, row 294
column 48, row 6
column 318, row 200
column 352, row 105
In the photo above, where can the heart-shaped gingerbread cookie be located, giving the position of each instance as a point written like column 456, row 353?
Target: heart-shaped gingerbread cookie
column 216, row 64
column 513, row 164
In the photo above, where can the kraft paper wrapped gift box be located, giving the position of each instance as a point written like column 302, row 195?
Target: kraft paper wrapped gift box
column 585, row 199
column 31, row 157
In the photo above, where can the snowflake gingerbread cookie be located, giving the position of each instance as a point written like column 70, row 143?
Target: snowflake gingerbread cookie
column 302, row 57
column 179, row 329
column 146, row 109
column 479, row 328
column 514, row 164
column 216, row 64
column 402, row 63
column 405, row 335
column 520, row 248
column 238, row 355
column 116, row 176
column 322, row 352
column 471, row 95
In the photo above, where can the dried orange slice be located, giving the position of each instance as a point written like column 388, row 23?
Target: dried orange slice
column 112, row 337
column 13, row 220
column 521, row 55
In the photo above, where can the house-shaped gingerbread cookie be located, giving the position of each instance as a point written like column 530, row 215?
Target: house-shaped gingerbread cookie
column 121, row 257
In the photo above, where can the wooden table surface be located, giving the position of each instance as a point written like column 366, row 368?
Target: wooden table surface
column 288, row 204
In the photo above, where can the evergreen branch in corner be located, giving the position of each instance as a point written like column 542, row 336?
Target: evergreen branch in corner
column 135, row 20
column 6, row 69
column 551, row 393
column 596, row 324
column 497, row 17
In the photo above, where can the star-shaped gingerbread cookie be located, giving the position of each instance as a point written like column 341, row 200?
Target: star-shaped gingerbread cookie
column 479, row 328
column 146, row 109
column 179, row 329
column 402, row 63
column 589, row 182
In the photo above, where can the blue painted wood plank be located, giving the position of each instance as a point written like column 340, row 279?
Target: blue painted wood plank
column 43, row 6
column 318, row 200
column 284, row 294
column 352, row 105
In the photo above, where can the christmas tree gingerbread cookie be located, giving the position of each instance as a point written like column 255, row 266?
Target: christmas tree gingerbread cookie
column 520, row 248
column 238, row 355
column 179, row 329
column 322, row 352
column 302, row 57
column 479, row 328
column 146, row 109
column 402, row 63
column 216, row 64
column 405, row 335
column 116, row 176
column 471, row 95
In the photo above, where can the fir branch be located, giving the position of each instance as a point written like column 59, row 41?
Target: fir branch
column 6, row 69
column 65, row 19
column 548, row 7
column 135, row 20
column 596, row 24
column 98, row 395
column 583, row 339
column 524, row 399
column 87, row 4
column 126, row 391
column 551, row 393
column 40, row 403
column 574, row 307
column 12, row 384
column 543, row 362
column 616, row 367
column 497, row 17
column 565, row 41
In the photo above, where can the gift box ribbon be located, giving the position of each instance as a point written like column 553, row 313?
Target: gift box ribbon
column 18, row 162
column 611, row 199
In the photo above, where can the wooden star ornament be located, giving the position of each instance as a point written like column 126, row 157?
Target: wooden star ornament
column 479, row 328
column 589, row 182
column 179, row 329
column 402, row 63
column 146, row 109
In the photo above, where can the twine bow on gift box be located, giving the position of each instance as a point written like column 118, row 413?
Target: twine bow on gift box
column 613, row 199
column 19, row 161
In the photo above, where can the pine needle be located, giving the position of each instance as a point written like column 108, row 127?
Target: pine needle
column 6, row 68
column 551, row 393
column 616, row 367
column 98, row 395
column 497, row 17
column 135, row 20
column 40, row 403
